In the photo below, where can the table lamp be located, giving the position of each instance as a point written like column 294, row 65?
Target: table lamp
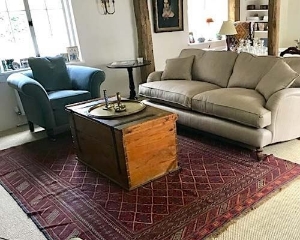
column 227, row 29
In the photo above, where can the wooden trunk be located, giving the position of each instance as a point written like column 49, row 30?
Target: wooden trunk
column 131, row 150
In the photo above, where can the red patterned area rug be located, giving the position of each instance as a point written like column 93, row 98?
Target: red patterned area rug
column 64, row 198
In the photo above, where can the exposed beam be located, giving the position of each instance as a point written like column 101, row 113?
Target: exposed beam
column 273, row 27
column 145, row 45
column 234, row 10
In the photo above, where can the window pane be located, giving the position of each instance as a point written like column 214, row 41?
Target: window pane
column 200, row 11
column 15, row 5
column 36, row 4
column 53, row 4
column 15, row 36
column 2, row 6
column 50, row 31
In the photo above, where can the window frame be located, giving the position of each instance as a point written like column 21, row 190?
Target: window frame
column 69, row 24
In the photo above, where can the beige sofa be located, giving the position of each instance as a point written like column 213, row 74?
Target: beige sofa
column 249, row 99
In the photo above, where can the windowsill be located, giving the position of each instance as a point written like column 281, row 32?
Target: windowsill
column 4, row 75
column 217, row 45
column 208, row 43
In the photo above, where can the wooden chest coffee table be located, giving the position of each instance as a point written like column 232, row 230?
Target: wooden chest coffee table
column 130, row 150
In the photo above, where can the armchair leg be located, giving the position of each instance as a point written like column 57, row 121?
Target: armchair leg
column 31, row 126
column 50, row 134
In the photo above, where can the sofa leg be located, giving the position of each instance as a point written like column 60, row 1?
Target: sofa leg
column 50, row 134
column 259, row 154
column 31, row 126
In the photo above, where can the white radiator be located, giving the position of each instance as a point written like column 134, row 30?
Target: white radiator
column 19, row 108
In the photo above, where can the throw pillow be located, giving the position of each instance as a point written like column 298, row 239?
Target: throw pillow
column 178, row 69
column 280, row 76
column 50, row 72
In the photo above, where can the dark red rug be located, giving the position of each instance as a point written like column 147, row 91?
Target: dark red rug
column 217, row 183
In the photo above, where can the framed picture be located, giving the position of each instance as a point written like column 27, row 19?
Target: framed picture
column 167, row 15
column 73, row 54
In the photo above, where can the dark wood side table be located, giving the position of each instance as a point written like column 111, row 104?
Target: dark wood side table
column 129, row 65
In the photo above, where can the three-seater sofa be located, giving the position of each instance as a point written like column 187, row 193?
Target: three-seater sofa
column 254, row 100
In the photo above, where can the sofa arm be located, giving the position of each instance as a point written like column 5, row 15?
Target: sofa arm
column 285, row 108
column 86, row 78
column 154, row 76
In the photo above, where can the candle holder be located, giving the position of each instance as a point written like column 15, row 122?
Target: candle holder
column 119, row 107
column 107, row 106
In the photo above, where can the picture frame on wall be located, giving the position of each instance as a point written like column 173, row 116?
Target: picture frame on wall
column 167, row 15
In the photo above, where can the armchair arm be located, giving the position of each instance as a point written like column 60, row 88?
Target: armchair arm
column 285, row 108
column 86, row 78
column 155, row 76
column 34, row 99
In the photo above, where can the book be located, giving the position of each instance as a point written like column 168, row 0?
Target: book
column 123, row 63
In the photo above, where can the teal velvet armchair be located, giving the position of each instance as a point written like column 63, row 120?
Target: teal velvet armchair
column 45, row 106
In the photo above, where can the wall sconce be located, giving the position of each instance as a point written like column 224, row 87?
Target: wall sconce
column 107, row 6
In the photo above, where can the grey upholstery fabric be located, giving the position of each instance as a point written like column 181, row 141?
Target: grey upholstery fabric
column 238, row 132
column 294, row 63
column 245, row 106
column 249, row 70
column 238, row 112
column 179, row 92
column 214, row 67
column 284, row 106
column 279, row 77
column 154, row 76
column 178, row 68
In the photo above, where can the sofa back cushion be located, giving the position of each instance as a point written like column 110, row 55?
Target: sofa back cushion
column 281, row 76
column 294, row 63
column 249, row 70
column 50, row 72
column 178, row 69
column 214, row 67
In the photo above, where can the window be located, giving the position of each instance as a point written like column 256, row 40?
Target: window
column 200, row 14
column 34, row 28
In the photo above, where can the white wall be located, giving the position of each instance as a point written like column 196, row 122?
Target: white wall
column 289, row 23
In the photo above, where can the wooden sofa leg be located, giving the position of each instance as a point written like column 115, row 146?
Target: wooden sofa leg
column 31, row 126
column 259, row 154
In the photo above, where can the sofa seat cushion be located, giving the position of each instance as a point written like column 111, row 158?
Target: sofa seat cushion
column 245, row 106
column 59, row 99
column 175, row 92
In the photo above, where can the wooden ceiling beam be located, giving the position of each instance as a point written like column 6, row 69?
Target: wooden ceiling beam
column 145, row 44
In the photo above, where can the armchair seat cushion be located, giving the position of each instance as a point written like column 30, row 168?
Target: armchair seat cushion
column 175, row 92
column 59, row 99
column 245, row 106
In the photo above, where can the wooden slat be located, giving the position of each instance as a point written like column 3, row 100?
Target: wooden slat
column 145, row 45
column 273, row 27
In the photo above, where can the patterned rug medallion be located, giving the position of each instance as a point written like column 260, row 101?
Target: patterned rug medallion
column 64, row 198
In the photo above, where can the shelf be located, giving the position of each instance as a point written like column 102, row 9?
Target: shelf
column 258, row 10
column 257, row 21
column 258, row 31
